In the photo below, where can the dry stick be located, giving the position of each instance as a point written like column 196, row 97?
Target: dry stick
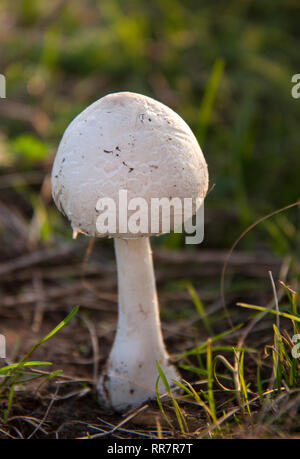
column 265, row 217
column 32, row 259
column 87, row 254
column 205, row 256
column 128, row 418
column 30, row 420
column 86, row 284
column 18, row 432
column 74, row 421
column 131, row 415
column 8, row 434
column 140, row 433
column 46, row 414
column 75, row 393
column 68, row 379
column 55, row 293
column 94, row 339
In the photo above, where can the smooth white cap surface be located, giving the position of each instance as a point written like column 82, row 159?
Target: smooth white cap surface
column 125, row 141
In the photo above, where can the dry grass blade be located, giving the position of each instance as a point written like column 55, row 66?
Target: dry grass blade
column 96, row 355
column 121, row 424
column 38, row 427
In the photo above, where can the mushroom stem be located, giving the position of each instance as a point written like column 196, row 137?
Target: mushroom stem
column 138, row 305
column 131, row 372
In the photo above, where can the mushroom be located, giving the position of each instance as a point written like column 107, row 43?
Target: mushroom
column 129, row 142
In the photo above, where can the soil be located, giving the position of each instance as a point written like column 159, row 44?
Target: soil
column 39, row 292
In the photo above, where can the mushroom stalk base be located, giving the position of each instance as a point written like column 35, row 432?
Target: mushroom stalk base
column 130, row 375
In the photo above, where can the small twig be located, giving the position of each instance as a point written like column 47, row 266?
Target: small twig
column 46, row 414
column 33, row 259
column 94, row 339
column 128, row 418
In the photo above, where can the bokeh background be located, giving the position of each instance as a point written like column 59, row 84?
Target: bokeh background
column 226, row 68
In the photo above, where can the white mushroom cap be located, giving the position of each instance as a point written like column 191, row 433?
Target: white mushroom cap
column 125, row 141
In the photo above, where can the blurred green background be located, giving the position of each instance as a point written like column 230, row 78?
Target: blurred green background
column 225, row 67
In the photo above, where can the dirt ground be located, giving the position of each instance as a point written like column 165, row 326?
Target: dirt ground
column 40, row 288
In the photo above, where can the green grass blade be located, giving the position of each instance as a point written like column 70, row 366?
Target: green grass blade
column 210, row 393
column 48, row 378
column 24, row 364
column 242, row 381
column 213, row 339
column 180, row 417
column 272, row 311
column 160, row 404
column 199, row 306
column 208, row 99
